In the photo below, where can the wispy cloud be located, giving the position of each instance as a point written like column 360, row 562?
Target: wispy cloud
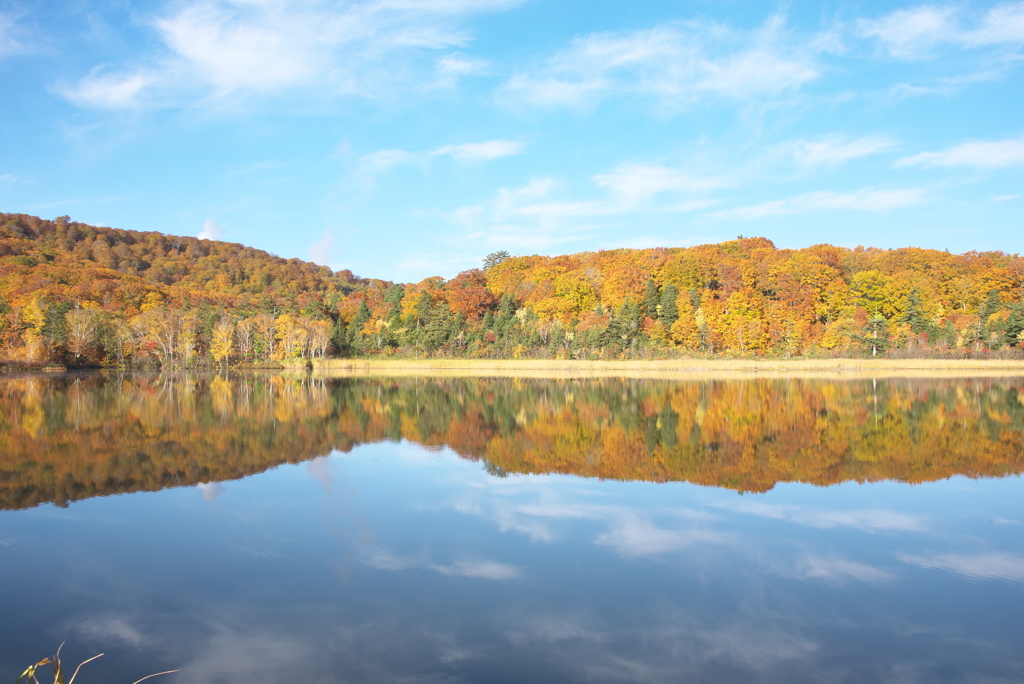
column 837, row 149
column 215, row 50
column 915, row 33
column 634, row 184
column 532, row 217
column 320, row 251
column 383, row 161
column 867, row 199
column 102, row 89
column 994, row 154
column 482, row 151
column 11, row 39
column 1000, row 566
column 675, row 65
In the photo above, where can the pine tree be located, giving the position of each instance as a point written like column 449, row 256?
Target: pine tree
column 668, row 312
column 355, row 328
column 649, row 302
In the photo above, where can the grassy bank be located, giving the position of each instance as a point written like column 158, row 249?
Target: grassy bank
column 682, row 368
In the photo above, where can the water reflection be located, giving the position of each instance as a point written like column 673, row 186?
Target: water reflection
column 400, row 558
column 65, row 438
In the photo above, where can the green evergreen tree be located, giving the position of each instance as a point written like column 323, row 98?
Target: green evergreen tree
column 339, row 337
column 624, row 326
column 649, row 302
column 437, row 329
column 495, row 258
column 356, row 341
column 915, row 317
column 668, row 313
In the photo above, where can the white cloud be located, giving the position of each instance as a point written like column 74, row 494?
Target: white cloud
column 915, row 33
column 101, row 90
column 993, row 154
column 323, row 49
column 633, row 184
column 482, row 151
column 909, row 33
column 837, row 149
column 868, row 199
column 320, row 251
column 1002, row 24
column 1004, row 198
column 211, row 231
column 382, row 161
column 1000, row 566
column 675, row 65
column 450, row 68
column 529, row 218
column 10, row 42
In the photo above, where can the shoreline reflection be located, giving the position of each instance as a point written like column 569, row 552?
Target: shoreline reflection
column 68, row 438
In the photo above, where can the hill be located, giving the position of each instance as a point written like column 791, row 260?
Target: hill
column 80, row 295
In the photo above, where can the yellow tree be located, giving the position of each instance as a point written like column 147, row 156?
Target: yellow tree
column 223, row 340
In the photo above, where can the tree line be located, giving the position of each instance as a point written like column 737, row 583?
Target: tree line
column 82, row 295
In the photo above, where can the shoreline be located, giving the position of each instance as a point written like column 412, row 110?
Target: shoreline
column 674, row 368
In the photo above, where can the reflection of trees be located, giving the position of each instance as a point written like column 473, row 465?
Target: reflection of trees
column 64, row 438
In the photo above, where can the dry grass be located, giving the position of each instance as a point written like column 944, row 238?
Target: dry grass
column 675, row 368
column 29, row 676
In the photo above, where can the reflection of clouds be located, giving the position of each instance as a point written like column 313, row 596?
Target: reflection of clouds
column 210, row 490
column 634, row 536
column 382, row 559
column 999, row 566
column 101, row 629
column 664, row 646
column 1005, row 521
column 485, row 569
column 629, row 532
column 867, row 520
column 839, row 570
column 319, row 470
column 249, row 658
column 551, row 628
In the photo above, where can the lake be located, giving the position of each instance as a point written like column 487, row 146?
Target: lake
column 271, row 528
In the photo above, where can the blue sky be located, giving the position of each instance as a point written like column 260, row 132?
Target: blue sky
column 408, row 138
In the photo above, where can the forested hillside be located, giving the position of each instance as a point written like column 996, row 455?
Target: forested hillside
column 80, row 295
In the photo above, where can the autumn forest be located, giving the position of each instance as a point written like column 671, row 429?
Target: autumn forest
column 80, row 296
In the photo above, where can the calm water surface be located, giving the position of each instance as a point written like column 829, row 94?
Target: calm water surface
column 273, row 529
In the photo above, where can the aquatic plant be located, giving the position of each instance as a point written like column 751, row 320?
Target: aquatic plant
column 29, row 675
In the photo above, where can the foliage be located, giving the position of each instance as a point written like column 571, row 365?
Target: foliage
column 82, row 295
